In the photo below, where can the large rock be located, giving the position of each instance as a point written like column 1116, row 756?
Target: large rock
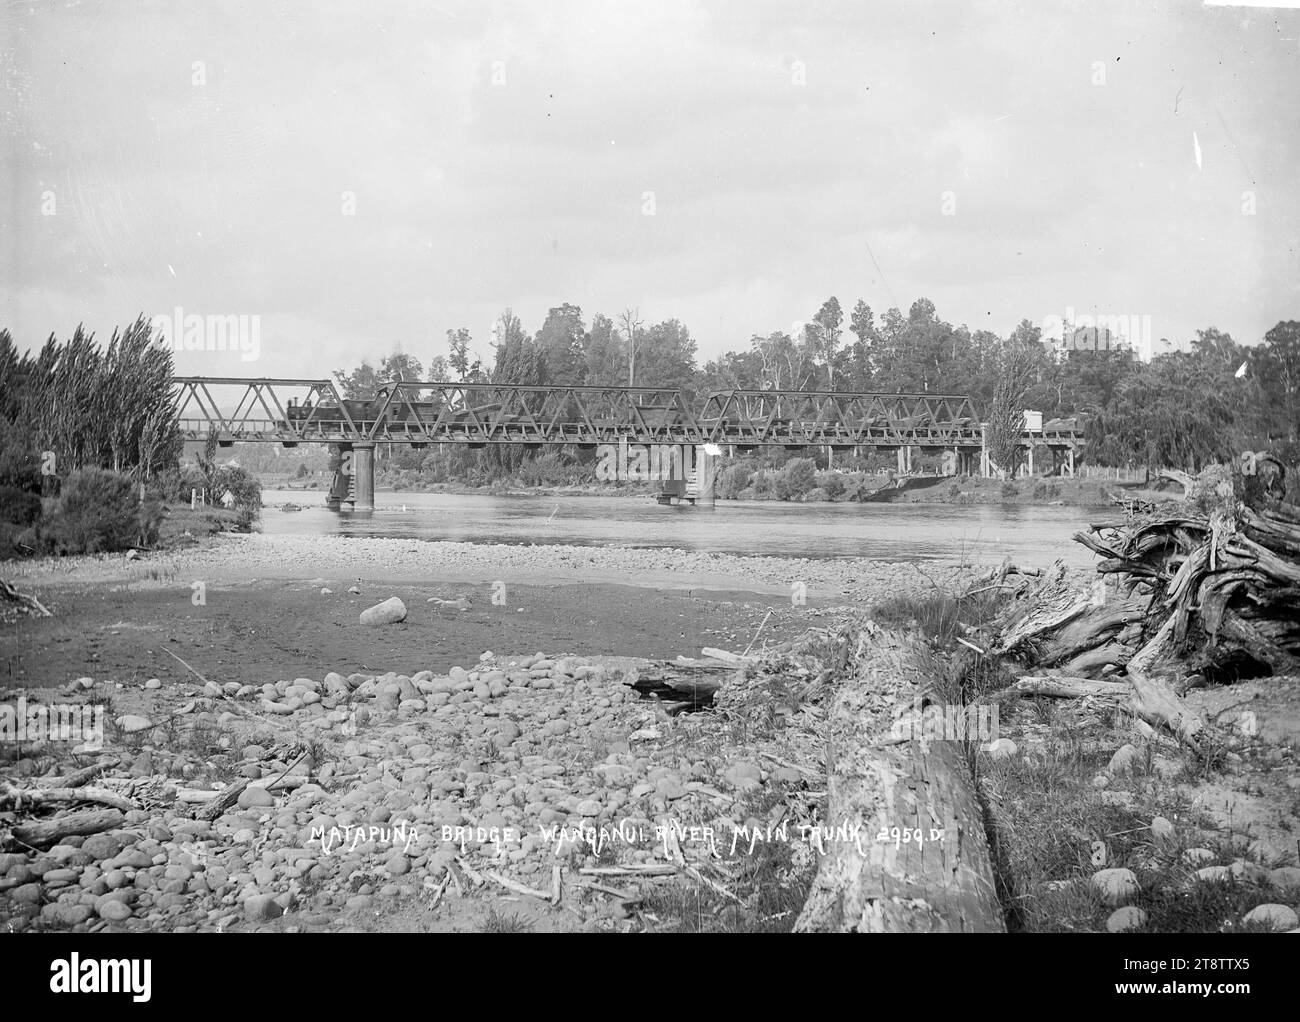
column 389, row 612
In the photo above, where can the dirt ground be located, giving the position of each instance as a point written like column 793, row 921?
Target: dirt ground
column 254, row 633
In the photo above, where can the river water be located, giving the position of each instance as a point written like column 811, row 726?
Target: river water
column 947, row 533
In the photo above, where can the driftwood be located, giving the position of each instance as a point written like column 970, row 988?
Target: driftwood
column 83, row 776
column 44, row 833
column 682, row 687
column 38, row 797
column 1061, row 687
column 939, row 877
column 1212, row 587
column 28, row 603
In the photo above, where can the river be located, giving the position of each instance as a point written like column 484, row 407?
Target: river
column 947, row 533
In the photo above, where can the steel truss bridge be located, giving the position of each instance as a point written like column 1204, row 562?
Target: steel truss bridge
column 295, row 411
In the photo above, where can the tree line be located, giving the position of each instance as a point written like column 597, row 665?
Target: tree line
column 1183, row 408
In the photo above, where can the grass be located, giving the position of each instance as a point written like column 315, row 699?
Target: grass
column 1055, row 830
column 769, row 887
column 500, row 922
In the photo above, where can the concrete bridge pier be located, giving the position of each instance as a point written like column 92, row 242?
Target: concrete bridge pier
column 363, row 474
column 706, row 469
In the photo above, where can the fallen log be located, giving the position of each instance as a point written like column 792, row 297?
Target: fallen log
column 1157, row 704
column 44, row 833
column 940, row 878
column 28, row 603
column 39, row 797
column 1062, row 687
column 82, row 776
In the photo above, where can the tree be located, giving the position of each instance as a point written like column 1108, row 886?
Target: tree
column 668, row 357
column 631, row 322
column 400, row 368
column 604, row 354
column 1006, row 418
column 559, row 346
column 459, row 361
column 1277, row 363
column 439, row 370
column 360, row 384
column 863, row 324
column 826, row 329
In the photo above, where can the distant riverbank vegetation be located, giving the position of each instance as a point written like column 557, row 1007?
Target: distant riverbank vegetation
column 1198, row 400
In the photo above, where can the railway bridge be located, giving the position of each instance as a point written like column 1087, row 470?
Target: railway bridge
column 296, row 411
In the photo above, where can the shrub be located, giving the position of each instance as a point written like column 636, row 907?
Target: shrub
column 19, row 507
column 302, row 470
column 98, row 511
column 795, row 479
column 1009, row 490
column 241, row 483
column 734, row 479
column 833, row 483
column 174, row 484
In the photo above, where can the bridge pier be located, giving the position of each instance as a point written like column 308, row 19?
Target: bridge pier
column 706, row 468
column 363, row 473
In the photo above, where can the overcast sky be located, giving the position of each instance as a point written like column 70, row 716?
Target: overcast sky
column 202, row 155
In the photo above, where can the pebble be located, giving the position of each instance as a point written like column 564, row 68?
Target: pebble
column 1275, row 917
column 1124, row 760
column 1130, row 917
column 1162, row 830
column 1116, row 886
column 252, row 798
column 113, row 910
column 261, row 908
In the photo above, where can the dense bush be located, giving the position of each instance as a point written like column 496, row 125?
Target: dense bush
column 734, row 478
column 19, row 507
column 763, row 484
column 98, row 511
column 797, row 477
column 175, row 484
column 242, row 484
column 1009, row 490
column 833, row 484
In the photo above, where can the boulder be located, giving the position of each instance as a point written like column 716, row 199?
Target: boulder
column 389, row 612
